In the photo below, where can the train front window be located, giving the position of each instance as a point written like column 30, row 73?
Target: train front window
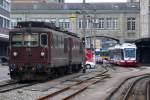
column 130, row 52
column 30, row 39
column 17, row 40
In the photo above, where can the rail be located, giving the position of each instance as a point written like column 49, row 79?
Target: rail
column 125, row 97
column 75, row 88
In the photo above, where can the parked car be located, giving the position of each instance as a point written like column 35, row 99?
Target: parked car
column 90, row 62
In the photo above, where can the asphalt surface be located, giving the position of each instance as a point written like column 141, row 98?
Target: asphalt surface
column 4, row 70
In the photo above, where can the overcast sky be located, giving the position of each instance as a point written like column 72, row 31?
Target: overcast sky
column 80, row 1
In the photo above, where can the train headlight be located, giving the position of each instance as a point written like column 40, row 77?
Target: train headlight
column 122, row 61
column 15, row 54
column 42, row 54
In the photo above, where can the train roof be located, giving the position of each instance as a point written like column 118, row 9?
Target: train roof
column 29, row 24
column 122, row 46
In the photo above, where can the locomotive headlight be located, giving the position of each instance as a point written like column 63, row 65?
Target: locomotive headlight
column 15, row 54
column 42, row 54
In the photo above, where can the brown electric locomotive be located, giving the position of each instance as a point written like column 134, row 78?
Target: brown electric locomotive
column 39, row 50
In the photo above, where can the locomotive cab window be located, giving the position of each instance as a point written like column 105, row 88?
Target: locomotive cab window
column 24, row 39
column 31, row 39
column 44, row 39
column 17, row 39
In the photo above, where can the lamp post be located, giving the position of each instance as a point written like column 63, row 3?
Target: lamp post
column 83, row 36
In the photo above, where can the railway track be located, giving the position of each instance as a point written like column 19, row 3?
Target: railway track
column 134, row 93
column 70, row 91
column 13, row 85
column 148, row 90
column 133, row 88
column 8, row 85
column 7, row 82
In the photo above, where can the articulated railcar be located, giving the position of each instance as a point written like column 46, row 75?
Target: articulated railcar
column 39, row 50
column 123, row 55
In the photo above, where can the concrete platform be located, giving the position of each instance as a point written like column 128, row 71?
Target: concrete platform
column 4, row 70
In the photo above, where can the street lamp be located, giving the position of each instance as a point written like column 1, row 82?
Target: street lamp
column 83, row 37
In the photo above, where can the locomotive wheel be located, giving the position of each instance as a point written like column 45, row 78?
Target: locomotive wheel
column 76, row 68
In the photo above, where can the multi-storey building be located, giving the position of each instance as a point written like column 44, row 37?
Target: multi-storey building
column 133, row 0
column 117, row 20
column 145, row 18
column 55, row 1
column 4, row 25
column 37, row 1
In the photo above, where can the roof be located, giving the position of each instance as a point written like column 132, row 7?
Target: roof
column 122, row 46
column 142, row 40
column 77, row 6
column 36, row 24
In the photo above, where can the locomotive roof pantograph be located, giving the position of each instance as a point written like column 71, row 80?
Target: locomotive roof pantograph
column 26, row 24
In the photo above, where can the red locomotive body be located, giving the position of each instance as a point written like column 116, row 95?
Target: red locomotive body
column 39, row 50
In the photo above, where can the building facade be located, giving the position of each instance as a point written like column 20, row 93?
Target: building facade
column 55, row 1
column 4, row 26
column 133, row 0
column 37, row 1
column 145, row 18
column 116, row 20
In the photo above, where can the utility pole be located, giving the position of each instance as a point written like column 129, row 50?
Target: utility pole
column 83, row 37
column 94, row 33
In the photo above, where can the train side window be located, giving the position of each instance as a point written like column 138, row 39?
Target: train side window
column 44, row 39
column 65, row 45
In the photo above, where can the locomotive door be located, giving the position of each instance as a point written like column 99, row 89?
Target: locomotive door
column 70, row 50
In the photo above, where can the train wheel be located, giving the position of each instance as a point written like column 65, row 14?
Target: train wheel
column 78, row 67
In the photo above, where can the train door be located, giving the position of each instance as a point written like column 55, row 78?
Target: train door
column 70, row 50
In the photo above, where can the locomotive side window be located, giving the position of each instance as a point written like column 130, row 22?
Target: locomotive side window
column 65, row 45
column 44, row 39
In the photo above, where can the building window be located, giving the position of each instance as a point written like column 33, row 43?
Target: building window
column 60, row 21
column 5, row 5
column 115, row 23
column 67, row 23
column 64, row 23
column 19, row 19
column 108, row 23
column 112, row 23
column 61, row 1
column 46, row 20
column 1, row 22
column 95, row 23
column 1, row 2
column 13, row 23
column 88, row 23
column 80, row 23
column 4, row 23
column 53, row 21
column 131, row 23
column 101, row 23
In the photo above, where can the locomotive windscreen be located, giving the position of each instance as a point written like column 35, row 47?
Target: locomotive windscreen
column 130, row 52
column 25, row 39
